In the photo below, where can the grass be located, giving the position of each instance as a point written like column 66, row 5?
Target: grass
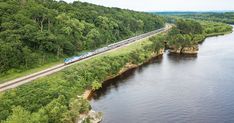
column 15, row 74
column 130, row 47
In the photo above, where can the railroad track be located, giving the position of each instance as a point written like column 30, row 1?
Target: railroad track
column 26, row 79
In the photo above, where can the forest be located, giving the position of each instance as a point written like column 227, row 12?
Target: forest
column 224, row 17
column 37, row 32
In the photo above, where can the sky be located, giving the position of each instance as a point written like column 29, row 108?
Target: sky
column 166, row 5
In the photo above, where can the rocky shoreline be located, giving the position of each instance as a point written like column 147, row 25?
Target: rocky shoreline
column 185, row 50
column 90, row 117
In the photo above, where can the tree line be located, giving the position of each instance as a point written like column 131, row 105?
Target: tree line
column 226, row 17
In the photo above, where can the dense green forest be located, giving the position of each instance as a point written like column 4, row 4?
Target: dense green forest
column 227, row 17
column 36, row 32
column 224, row 17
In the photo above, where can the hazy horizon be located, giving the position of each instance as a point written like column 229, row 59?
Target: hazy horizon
column 166, row 5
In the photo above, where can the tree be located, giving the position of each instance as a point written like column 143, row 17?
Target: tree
column 27, row 56
column 93, row 38
column 102, row 22
column 96, row 85
column 74, row 107
column 20, row 115
column 57, row 111
column 189, row 27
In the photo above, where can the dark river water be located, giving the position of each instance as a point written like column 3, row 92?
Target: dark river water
column 175, row 89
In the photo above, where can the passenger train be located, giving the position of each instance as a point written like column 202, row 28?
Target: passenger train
column 109, row 47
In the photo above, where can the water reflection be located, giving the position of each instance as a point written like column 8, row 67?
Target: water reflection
column 113, row 84
column 119, row 80
column 181, row 57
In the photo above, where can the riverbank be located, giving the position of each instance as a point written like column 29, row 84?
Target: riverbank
column 88, row 93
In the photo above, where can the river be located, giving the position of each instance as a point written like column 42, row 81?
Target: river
column 182, row 89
